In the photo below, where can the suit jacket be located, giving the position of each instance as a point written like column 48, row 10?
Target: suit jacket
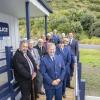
column 52, row 71
column 41, row 53
column 66, row 54
column 21, row 66
column 74, row 47
column 36, row 56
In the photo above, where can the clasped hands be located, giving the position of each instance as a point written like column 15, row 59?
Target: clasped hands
column 56, row 82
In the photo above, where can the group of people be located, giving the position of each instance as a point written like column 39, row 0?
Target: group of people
column 46, row 68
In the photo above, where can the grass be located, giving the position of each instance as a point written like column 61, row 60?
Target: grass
column 93, row 40
column 91, row 70
column 90, row 57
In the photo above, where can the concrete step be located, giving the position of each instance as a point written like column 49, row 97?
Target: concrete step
column 92, row 98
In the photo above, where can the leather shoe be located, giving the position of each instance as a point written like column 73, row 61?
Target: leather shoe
column 64, row 96
column 37, row 96
column 42, row 93
column 71, row 87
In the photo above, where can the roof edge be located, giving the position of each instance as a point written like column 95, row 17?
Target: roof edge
column 45, row 5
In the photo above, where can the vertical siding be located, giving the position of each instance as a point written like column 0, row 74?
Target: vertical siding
column 11, row 40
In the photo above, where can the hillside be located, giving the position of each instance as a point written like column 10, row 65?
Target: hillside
column 67, row 16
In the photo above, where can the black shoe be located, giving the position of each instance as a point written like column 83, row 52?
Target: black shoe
column 64, row 96
column 71, row 87
column 42, row 93
column 37, row 96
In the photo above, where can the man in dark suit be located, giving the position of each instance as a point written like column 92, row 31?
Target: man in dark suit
column 52, row 68
column 75, row 52
column 65, row 52
column 74, row 45
column 24, row 70
column 41, row 49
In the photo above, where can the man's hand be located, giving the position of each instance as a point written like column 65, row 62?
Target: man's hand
column 33, row 75
column 58, row 81
column 54, row 82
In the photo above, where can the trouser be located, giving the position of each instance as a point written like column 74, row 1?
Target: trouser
column 39, row 81
column 27, row 90
column 71, row 69
column 57, row 93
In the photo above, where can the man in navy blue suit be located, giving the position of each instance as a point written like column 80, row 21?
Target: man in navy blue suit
column 53, row 70
column 65, row 52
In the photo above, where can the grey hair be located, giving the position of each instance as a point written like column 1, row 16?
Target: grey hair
column 22, row 41
column 50, row 44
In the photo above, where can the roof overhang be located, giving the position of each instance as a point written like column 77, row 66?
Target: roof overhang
column 16, row 8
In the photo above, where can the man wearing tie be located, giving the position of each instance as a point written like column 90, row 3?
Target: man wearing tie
column 52, row 68
column 40, row 47
column 24, row 70
column 74, row 46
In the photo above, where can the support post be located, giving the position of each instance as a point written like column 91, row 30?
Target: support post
column 82, row 90
column 27, row 19
column 46, row 25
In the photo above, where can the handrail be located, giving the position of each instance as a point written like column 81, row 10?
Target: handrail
column 76, row 83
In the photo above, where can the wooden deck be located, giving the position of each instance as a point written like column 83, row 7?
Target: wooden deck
column 69, row 94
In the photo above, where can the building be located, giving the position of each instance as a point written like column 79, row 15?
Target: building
column 10, row 12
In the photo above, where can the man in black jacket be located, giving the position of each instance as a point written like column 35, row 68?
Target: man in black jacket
column 41, row 49
column 24, row 70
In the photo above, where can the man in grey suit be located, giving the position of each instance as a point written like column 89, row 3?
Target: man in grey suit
column 39, row 78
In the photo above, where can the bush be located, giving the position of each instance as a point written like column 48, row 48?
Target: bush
column 95, row 29
column 86, row 21
column 76, row 27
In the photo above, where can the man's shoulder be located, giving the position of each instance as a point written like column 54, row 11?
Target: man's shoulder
column 58, row 56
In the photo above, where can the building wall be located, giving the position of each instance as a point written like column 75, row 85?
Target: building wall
column 11, row 40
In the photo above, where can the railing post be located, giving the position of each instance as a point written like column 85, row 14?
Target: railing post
column 9, row 67
column 82, row 90
column 79, row 73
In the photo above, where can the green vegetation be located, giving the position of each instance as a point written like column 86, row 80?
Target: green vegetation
column 79, row 16
column 90, row 57
column 93, row 40
column 91, row 70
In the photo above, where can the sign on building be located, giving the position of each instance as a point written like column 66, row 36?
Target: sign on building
column 4, row 29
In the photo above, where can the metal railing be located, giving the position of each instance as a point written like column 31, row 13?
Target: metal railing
column 9, row 89
column 79, row 83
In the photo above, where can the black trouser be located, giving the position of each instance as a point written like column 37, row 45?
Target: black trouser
column 27, row 90
column 39, row 82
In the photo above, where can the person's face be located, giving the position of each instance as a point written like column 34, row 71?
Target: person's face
column 30, row 45
column 40, row 43
column 70, row 35
column 66, row 41
column 51, row 50
column 61, row 45
column 24, row 47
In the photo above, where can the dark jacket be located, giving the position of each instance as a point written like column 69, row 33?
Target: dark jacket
column 21, row 66
column 74, row 47
column 41, row 53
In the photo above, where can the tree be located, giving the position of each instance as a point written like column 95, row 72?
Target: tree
column 95, row 29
